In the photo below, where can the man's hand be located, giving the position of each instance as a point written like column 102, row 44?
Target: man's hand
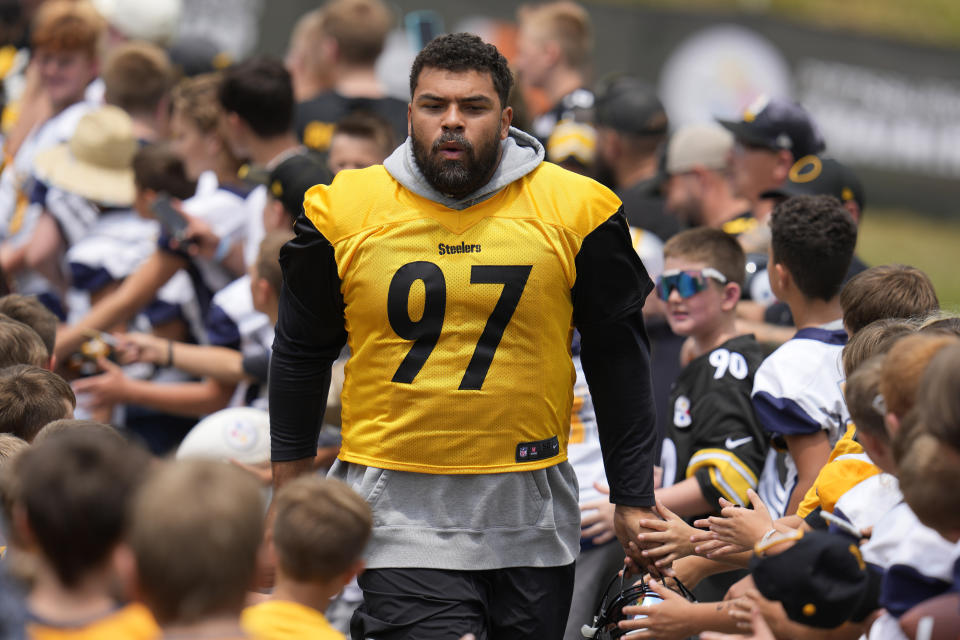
column 670, row 537
column 626, row 522
column 598, row 525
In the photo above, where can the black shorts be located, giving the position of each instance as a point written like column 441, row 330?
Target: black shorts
column 435, row 604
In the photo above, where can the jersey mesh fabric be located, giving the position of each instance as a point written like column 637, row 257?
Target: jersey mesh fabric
column 515, row 251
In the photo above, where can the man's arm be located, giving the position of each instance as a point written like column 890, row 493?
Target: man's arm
column 608, row 298
column 309, row 335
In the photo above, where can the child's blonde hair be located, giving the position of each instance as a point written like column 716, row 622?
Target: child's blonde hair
column 196, row 529
column 321, row 529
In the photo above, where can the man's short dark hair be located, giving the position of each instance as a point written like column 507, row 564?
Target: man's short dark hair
column 814, row 238
column 464, row 52
column 261, row 93
column 31, row 312
column 76, row 488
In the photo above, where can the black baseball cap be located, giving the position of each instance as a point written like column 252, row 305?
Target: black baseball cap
column 630, row 105
column 292, row 178
column 818, row 176
column 777, row 124
column 822, row 580
column 194, row 55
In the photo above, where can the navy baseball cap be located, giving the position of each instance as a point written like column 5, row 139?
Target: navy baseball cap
column 815, row 175
column 630, row 105
column 777, row 124
column 822, row 580
column 292, row 178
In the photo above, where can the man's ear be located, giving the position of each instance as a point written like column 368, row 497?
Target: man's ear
column 506, row 117
column 854, row 209
column 782, row 168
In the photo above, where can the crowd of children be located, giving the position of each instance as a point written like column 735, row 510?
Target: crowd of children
column 804, row 484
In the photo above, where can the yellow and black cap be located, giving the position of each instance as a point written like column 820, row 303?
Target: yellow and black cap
column 819, row 176
column 290, row 180
column 630, row 105
column 776, row 124
column 822, row 580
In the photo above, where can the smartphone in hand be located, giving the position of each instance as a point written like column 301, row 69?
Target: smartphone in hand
column 171, row 220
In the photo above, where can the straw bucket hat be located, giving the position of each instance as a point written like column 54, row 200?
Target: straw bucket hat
column 97, row 163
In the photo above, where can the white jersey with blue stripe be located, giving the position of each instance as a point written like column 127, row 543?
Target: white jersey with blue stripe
column 117, row 244
column 16, row 179
column 798, row 390
column 918, row 563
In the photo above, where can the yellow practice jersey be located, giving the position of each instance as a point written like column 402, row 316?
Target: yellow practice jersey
column 284, row 620
column 132, row 622
column 459, row 322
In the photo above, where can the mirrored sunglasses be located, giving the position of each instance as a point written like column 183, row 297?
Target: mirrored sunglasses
column 687, row 283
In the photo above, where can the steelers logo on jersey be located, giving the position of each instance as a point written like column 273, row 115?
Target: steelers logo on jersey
column 681, row 412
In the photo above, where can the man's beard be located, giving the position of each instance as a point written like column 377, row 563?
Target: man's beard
column 461, row 177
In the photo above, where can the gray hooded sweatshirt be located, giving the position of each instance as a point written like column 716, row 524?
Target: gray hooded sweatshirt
column 469, row 522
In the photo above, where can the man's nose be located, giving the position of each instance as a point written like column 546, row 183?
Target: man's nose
column 452, row 118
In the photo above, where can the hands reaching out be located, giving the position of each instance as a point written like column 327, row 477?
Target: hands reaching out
column 735, row 529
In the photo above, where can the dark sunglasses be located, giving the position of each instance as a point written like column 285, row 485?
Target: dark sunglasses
column 687, row 283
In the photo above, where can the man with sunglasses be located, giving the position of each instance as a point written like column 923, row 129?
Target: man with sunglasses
column 770, row 137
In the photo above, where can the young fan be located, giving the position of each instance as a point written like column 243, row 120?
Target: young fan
column 196, row 528
column 71, row 509
column 320, row 531
column 796, row 392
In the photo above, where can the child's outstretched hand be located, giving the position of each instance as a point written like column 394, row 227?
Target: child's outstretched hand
column 671, row 535
column 667, row 620
column 738, row 529
column 760, row 630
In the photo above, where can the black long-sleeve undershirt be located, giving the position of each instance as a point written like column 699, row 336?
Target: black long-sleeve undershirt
column 607, row 297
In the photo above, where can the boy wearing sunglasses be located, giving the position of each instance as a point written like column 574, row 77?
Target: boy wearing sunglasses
column 714, row 446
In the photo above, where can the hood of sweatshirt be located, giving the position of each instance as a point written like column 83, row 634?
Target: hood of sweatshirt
column 521, row 154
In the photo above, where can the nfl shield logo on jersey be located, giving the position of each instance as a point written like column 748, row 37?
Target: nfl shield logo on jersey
column 681, row 412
